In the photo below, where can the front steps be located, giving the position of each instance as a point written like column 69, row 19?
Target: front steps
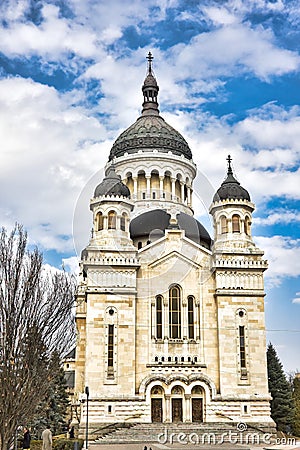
column 182, row 433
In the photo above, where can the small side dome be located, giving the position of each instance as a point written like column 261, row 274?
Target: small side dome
column 231, row 188
column 112, row 185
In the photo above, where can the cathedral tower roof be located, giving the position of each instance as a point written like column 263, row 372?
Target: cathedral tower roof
column 150, row 131
column 231, row 188
column 112, row 185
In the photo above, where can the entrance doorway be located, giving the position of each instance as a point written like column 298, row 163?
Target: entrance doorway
column 157, row 394
column 197, row 404
column 197, row 410
column 176, row 409
column 156, row 410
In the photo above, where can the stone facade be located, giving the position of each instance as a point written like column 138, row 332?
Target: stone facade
column 170, row 324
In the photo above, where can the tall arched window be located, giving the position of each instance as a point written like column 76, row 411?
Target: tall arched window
column 159, row 316
column 224, row 228
column 174, row 313
column 123, row 221
column 112, row 220
column 100, row 221
column 236, row 223
column 191, row 332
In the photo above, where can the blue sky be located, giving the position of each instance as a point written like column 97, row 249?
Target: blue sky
column 70, row 82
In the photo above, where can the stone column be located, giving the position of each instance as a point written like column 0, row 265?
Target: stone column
column 168, row 418
column 182, row 191
column 189, row 195
column 188, row 409
column 173, row 181
column 148, row 179
column 135, row 187
column 161, row 186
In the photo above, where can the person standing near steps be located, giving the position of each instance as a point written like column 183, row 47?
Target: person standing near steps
column 47, row 438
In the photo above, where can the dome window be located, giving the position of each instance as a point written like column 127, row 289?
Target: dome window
column 236, row 223
column 112, row 220
column 100, row 221
column 123, row 222
column 224, row 227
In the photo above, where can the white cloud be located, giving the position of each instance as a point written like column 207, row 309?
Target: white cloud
column 71, row 264
column 283, row 254
column 49, row 150
column 281, row 216
column 220, row 15
column 297, row 298
column 234, row 48
column 52, row 38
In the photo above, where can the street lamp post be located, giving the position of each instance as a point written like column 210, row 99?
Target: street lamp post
column 87, row 392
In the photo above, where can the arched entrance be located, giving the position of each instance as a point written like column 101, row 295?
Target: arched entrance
column 157, row 394
column 197, row 404
column 176, row 403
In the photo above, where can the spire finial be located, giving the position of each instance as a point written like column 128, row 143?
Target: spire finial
column 229, row 170
column 150, row 59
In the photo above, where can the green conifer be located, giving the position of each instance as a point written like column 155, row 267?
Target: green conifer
column 282, row 410
column 296, row 399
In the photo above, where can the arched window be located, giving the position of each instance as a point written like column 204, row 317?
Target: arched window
column 224, row 228
column 112, row 220
column 236, row 223
column 100, row 221
column 123, row 221
column 140, row 245
column 174, row 313
column 191, row 332
column 247, row 225
column 159, row 316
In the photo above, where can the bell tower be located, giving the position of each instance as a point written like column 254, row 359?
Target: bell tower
column 238, row 268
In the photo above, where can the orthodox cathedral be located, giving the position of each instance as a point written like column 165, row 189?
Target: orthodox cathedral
column 170, row 321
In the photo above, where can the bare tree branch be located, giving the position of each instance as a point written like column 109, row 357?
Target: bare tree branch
column 36, row 319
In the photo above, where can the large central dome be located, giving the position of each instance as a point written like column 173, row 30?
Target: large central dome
column 150, row 131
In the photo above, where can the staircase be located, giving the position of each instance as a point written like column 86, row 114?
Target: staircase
column 182, row 433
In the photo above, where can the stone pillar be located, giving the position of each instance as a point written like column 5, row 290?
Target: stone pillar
column 173, row 181
column 188, row 408
column 168, row 418
column 189, row 195
column 161, row 186
column 135, row 187
column 148, row 179
column 182, row 191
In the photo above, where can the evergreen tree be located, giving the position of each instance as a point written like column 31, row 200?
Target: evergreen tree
column 296, row 399
column 53, row 407
column 280, row 389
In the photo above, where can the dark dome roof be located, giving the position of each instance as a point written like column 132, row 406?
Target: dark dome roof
column 231, row 188
column 155, row 222
column 150, row 132
column 112, row 185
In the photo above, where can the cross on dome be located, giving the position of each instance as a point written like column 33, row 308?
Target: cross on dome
column 150, row 59
column 229, row 170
